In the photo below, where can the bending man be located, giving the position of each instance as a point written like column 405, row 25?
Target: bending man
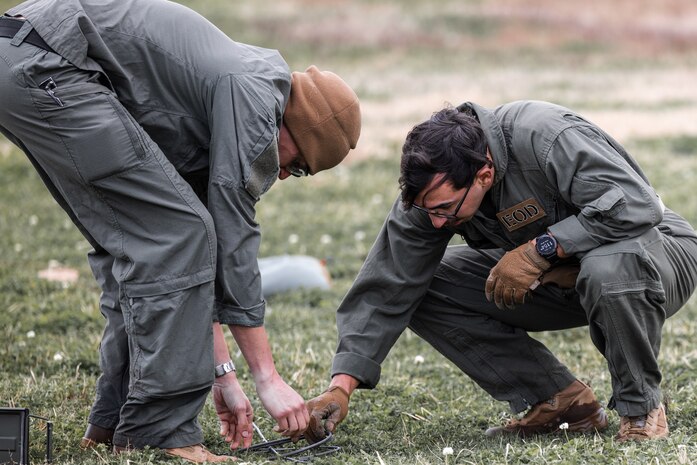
column 158, row 134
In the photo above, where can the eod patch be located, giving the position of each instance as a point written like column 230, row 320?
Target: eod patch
column 521, row 214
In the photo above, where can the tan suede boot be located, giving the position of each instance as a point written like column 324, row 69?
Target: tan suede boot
column 653, row 425
column 576, row 406
column 198, row 454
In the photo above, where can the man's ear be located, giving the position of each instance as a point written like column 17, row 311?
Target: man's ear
column 485, row 175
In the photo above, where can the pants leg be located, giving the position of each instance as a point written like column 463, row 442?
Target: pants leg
column 628, row 290
column 114, row 360
column 492, row 346
column 128, row 200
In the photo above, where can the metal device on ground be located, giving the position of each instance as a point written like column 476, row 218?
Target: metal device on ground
column 285, row 449
column 14, row 436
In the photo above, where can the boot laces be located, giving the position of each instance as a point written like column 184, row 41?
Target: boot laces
column 637, row 425
column 637, row 422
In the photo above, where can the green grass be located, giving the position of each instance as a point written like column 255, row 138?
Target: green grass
column 418, row 408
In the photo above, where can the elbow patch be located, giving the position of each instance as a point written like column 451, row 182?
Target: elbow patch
column 263, row 171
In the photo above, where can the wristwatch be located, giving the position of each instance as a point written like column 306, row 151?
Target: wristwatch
column 546, row 246
column 224, row 368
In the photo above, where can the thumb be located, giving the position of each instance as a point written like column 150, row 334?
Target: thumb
column 333, row 416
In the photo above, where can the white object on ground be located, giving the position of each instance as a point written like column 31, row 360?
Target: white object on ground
column 57, row 272
column 287, row 272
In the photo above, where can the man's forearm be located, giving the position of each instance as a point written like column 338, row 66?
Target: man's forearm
column 254, row 344
column 220, row 348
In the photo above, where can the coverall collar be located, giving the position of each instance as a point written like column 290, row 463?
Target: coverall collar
column 494, row 138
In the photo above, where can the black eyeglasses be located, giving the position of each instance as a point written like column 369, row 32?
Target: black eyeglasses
column 449, row 216
column 297, row 170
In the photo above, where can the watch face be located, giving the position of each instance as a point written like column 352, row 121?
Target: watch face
column 546, row 246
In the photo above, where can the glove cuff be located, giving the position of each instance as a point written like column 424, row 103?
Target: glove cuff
column 535, row 258
column 339, row 388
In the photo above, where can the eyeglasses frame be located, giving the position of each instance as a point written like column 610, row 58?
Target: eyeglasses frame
column 448, row 216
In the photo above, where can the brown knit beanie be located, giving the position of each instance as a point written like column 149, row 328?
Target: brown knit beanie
column 323, row 116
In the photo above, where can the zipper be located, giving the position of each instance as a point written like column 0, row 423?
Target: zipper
column 49, row 86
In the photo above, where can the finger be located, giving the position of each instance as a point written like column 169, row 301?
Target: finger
column 315, row 432
column 241, row 427
column 489, row 288
column 233, row 437
column 498, row 295
column 330, row 425
column 243, row 438
column 509, row 298
column 306, row 416
column 519, row 296
column 224, row 428
column 281, row 426
column 293, row 427
column 303, row 419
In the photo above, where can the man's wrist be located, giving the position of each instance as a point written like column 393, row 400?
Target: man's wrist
column 224, row 368
column 346, row 382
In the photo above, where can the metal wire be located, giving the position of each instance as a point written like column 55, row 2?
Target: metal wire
column 285, row 449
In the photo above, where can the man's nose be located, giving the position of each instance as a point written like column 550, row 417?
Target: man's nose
column 438, row 221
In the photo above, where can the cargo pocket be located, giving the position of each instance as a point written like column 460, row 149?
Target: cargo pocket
column 102, row 138
column 171, row 342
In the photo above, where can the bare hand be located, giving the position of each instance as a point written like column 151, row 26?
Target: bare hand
column 234, row 412
column 285, row 405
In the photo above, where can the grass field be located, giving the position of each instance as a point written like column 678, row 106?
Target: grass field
column 629, row 66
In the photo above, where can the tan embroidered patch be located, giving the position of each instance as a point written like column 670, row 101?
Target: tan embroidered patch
column 521, row 214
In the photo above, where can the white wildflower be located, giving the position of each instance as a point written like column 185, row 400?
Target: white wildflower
column 419, row 359
column 18, row 247
column 57, row 357
column 564, row 426
column 359, row 236
column 447, row 451
column 325, row 239
column 293, row 239
column 33, row 220
column 31, row 334
column 682, row 454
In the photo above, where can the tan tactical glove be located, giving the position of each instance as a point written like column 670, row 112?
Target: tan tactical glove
column 513, row 276
column 326, row 411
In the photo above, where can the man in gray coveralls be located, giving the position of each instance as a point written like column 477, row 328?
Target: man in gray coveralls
column 158, row 134
column 562, row 229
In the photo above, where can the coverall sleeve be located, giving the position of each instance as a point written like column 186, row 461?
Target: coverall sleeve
column 389, row 287
column 615, row 200
column 243, row 165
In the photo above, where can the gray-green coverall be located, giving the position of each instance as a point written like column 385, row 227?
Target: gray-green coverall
column 148, row 94
column 555, row 171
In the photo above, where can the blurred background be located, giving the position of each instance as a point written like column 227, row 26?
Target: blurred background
column 628, row 65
